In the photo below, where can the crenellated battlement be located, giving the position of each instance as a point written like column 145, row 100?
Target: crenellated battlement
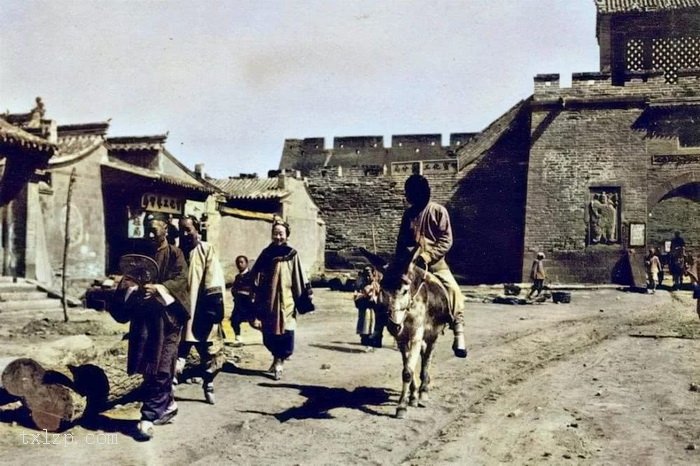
column 400, row 141
column 370, row 151
column 358, row 142
column 600, row 85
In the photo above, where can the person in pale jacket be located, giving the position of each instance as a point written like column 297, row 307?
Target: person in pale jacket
column 205, row 278
column 537, row 275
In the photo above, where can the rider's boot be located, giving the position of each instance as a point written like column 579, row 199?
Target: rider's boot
column 458, row 345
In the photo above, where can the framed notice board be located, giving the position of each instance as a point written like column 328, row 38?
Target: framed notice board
column 638, row 234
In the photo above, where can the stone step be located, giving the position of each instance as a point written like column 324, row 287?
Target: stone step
column 20, row 315
column 39, row 313
column 22, row 295
column 10, row 306
column 19, row 286
column 5, row 279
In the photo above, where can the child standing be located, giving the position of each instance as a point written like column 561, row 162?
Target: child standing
column 366, row 297
column 653, row 266
column 241, row 290
column 537, row 275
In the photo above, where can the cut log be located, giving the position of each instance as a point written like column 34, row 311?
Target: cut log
column 51, row 405
column 57, row 396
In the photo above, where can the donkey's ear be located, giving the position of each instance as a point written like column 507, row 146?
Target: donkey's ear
column 373, row 259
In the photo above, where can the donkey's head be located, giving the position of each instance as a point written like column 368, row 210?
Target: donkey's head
column 400, row 284
column 401, row 293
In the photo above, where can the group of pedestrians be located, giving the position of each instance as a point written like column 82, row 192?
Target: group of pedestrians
column 173, row 298
column 680, row 263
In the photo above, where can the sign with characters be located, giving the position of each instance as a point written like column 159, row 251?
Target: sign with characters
column 135, row 227
column 160, row 203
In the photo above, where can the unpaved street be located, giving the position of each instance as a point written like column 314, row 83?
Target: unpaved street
column 543, row 384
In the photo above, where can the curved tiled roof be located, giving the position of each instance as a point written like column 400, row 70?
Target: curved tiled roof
column 250, row 188
column 166, row 179
column 11, row 134
column 135, row 143
column 629, row 6
column 72, row 148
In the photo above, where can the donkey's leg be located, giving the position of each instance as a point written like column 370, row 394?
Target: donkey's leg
column 406, row 380
column 427, row 359
column 414, row 355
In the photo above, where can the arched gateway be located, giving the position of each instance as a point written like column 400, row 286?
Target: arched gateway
column 674, row 209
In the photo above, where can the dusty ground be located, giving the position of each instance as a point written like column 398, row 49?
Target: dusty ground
column 581, row 383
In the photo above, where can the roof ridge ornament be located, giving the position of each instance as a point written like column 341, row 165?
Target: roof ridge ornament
column 36, row 114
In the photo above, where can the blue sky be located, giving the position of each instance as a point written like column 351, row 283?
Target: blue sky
column 230, row 80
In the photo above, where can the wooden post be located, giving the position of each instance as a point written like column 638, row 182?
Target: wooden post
column 374, row 239
column 66, row 244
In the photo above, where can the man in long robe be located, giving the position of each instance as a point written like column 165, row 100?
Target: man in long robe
column 157, row 312
column 205, row 279
column 426, row 235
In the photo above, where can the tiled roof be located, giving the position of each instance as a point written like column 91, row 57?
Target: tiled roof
column 83, row 129
column 72, row 148
column 130, row 143
column 250, row 188
column 77, row 145
column 661, row 111
column 629, row 6
column 166, row 179
column 10, row 134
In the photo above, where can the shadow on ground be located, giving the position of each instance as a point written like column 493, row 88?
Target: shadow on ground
column 321, row 400
column 339, row 348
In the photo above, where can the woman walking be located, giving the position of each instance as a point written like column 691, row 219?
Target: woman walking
column 280, row 292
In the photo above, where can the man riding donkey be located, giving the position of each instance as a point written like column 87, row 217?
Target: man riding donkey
column 426, row 234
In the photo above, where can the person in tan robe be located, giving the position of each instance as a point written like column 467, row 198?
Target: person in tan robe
column 205, row 279
column 280, row 292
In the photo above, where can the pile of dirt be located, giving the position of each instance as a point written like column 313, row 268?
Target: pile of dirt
column 688, row 329
column 74, row 327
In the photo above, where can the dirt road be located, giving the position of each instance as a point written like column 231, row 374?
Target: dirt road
column 582, row 383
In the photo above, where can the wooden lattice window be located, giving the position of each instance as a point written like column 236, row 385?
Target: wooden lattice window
column 671, row 54
column 635, row 55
